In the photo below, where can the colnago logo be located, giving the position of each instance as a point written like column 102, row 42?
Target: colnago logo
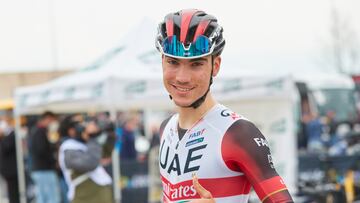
column 180, row 192
column 227, row 113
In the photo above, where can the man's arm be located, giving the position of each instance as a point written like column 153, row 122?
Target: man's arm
column 246, row 150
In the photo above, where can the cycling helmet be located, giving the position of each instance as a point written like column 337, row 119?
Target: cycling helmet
column 190, row 33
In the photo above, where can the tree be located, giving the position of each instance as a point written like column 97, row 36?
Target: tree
column 344, row 44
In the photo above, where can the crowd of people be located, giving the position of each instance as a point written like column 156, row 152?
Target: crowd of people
column 329, row 150
column 68, row 157
column 327, row 135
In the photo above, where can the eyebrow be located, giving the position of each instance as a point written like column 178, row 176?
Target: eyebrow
column 199, row 59
column 172, row 58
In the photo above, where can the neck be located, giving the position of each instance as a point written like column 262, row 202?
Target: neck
column 188, row 115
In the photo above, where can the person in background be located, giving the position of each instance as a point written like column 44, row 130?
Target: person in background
column 8, row 165
column 43, row 155
column 108, row 147
column 128, row 151
column 66, row 131
column 79, row 159
column 313, row 130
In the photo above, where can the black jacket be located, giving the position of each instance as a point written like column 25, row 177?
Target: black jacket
column 42, row 152
column 8, row 166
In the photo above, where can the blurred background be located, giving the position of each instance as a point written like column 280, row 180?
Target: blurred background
column 292, row 67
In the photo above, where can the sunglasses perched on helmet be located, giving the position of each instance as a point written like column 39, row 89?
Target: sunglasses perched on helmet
column 172, row 47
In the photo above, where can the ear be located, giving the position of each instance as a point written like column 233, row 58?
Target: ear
column 163, row 58
column 162, row 61
column 216, row 65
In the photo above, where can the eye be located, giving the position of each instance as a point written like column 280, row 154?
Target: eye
column 172, row 62
column 197, row 64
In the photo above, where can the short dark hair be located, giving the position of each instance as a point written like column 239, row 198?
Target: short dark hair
column 48, row 114
column 66, row 124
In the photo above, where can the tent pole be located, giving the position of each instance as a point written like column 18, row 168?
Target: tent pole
column 116, row 175
column 20, row 159
column 115, row 165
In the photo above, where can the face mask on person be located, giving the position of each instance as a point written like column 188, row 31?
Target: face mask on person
column 53, row 126
column 53, row 134
column 4, row 127
column 94, row 134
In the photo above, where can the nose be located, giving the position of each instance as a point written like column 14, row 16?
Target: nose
column 183, row 75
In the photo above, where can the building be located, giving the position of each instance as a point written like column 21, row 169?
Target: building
column 10, row 81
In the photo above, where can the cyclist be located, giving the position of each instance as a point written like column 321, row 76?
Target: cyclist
column 207, row 152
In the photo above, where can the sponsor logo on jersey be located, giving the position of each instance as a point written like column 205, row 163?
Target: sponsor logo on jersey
column 192, row 142
column 173, row 164
column 261, row 142
column 227, row 113
column 179, row 192
column 197, row 133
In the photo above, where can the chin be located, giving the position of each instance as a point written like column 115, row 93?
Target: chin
column 182, row 103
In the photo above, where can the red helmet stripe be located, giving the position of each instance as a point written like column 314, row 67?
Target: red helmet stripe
column 186, row 16
column 170, row 27
column 200, row 30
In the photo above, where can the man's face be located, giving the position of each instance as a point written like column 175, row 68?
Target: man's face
column 49, row 120
column 187, row 80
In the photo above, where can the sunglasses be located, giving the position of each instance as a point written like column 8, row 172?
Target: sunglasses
column 172, row 47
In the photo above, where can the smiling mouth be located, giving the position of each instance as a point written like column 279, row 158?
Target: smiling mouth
column 183, row 89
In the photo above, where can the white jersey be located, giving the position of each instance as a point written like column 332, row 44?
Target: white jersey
column 209, row 150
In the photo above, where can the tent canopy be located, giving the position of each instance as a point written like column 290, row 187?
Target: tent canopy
column 130, row 77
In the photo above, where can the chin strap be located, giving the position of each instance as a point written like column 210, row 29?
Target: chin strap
column 201, row 100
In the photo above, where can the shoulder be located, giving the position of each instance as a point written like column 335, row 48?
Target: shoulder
column 163, row 125
column 244, row 133
column 38, row 131
column 244, row 127
column 165, row 122
column 221, row 118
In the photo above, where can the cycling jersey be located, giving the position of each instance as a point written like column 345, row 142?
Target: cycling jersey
column 228, row 154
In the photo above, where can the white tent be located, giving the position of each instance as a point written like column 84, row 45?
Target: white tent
column 132, row 79
column 100, row 88
column 129, row 76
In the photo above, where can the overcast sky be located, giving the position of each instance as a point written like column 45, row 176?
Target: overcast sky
column 263, row 35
